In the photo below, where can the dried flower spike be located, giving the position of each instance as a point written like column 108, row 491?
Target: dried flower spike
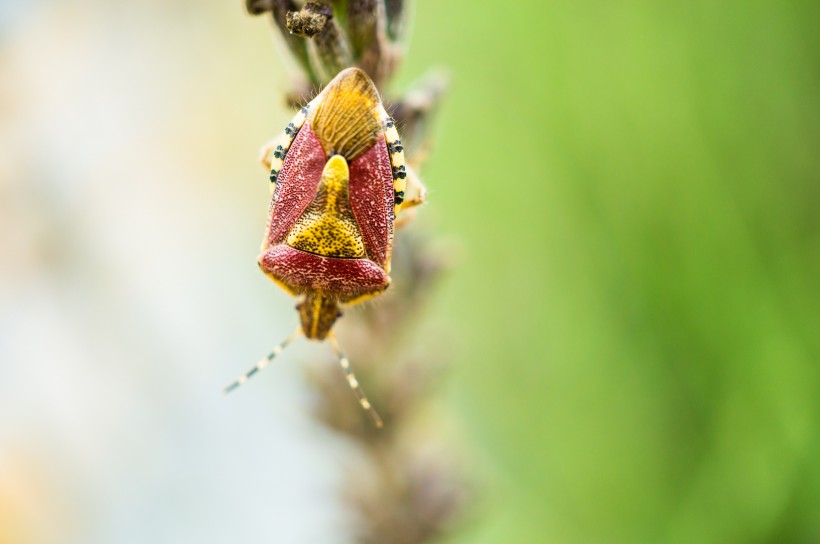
column 326, row 37
column 328, row 47
column 310, row 20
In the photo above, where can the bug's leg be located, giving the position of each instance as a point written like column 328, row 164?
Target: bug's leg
column 273, row 153
column 354, row 383
column 266, row 154
column 264, row 362
column 414, row 194
column 414, row 191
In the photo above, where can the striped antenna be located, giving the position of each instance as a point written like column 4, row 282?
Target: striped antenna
column 354, row 383
column 264, row 362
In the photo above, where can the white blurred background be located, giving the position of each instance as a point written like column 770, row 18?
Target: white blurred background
column 131, row 210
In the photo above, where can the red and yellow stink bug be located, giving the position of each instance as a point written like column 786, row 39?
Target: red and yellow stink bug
column 339, row 179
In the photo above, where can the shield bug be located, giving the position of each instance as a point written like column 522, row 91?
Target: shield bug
column 338, row 180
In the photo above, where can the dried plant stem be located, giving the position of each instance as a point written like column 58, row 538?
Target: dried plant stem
column 412, row 495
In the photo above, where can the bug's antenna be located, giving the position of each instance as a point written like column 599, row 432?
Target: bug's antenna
column 264, row 362
column 354, row 383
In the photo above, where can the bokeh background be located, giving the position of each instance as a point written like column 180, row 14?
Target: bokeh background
column 630, row 189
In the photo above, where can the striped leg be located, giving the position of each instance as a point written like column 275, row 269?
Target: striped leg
column 414, row 195
column 354, row 383
column 264, row 362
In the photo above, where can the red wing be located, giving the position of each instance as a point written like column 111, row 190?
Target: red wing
column 297, row 183
column 371, row 198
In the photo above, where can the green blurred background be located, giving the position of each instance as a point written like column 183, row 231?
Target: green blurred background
column 636, row 187
column 632, row 188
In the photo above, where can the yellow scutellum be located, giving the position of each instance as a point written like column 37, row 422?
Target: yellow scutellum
column 328, row 227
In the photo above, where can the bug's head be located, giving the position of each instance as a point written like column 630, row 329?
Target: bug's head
column 318, row 313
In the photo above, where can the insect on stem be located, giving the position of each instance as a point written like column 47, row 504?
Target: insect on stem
column 354, row 383
column 264, row 362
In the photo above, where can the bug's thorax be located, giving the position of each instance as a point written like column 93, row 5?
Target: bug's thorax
column 318, row 313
